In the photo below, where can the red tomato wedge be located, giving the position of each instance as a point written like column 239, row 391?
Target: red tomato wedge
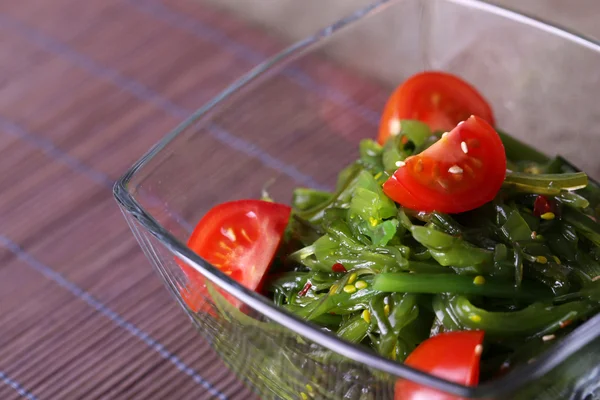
column 439, row 99
column 462, row 171
column 240, row 238
column 453, row 356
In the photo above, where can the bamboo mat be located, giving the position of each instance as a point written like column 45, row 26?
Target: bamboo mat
column 86, row 88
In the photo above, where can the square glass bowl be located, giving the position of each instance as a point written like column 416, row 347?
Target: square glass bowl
column 296, row 121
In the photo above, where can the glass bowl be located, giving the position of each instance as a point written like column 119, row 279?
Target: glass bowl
column 296, row 121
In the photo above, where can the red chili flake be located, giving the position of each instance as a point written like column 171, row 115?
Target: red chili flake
column 337, row 267
column 542, row 205
column 305, row 289
column 505, row 365
column 404, row 139
column 566, row 322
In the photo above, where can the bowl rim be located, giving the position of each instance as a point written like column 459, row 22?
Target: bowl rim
column 513, row 380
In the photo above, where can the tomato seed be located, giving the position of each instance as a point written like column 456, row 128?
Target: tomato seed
column 435, row 171
column 476, row 162
column 419, row 166
column 473, row 143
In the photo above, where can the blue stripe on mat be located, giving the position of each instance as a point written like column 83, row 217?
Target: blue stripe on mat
column 17, row 386
column 54, row 152
column 208, row 33
column 59, row 155
column 146, row 94
column 107, row 312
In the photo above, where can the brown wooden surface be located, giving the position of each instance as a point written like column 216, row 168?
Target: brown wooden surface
column 86, row 87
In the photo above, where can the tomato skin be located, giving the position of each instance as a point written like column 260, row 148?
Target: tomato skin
column 462, row 171
column 453, row 356
column 240, row 238
column 439, row 99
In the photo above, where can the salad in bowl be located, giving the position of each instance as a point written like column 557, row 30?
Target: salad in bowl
column 447, row 245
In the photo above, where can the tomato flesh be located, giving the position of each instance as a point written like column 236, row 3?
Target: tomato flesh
column 439, row 99
column 462, row 171
column 239, row 238
column 453, row 356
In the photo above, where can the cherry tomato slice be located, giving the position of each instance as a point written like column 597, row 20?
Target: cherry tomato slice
column 453, row 356
column 240, row 238
column 462, row 171
column 439, row 99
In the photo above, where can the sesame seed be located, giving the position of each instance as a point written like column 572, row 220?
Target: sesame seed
column 386, row 310
column 400, row 164
column 556, row 260
column 541, row 259
column 394, row 126
column 547, row 338
column 478, row 349
column 349, row 289
column 533, row 234
column 475, row 318
column 479, row 280
column 444, row 134
column 352, row 278
column 366, row 315
column 360, row 285
column 548, row 216
column 464, row 148
column 455, row 169
column 333, row 288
